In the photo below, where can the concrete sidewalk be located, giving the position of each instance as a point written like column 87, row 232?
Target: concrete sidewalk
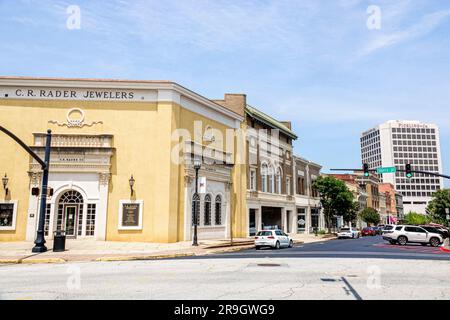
column 91, row 250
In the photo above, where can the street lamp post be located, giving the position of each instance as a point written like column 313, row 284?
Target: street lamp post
column 40, row 239
column 197, row 166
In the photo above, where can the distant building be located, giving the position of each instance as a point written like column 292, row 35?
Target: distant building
column 391, row 214
column 363, row 192
column 270, row 193
column 396, row 143
column 307, row 199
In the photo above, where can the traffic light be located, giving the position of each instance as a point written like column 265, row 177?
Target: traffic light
column 408, row 170
column 366, row 170
column 35, row 192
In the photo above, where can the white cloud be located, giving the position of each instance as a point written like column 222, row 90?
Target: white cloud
column 426, row 25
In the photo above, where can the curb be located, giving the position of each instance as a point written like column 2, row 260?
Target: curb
column 44, row 260
column 235, row 244
column 230, row 249
column 9, row 261
column 444, row 250
column 137, row 258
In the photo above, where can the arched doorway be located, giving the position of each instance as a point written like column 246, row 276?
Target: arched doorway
column 70, row 213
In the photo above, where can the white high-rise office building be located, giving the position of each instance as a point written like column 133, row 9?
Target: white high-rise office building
column 397, row 143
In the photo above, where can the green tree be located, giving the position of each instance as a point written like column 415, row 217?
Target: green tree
column 352, row 212
column 370, row 216
column 335, row 197
column 415, row 219
column 436, row 207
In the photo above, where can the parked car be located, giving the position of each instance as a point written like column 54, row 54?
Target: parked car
column 404, row 234
column 347, row 232
column 273, row 238
column 378, row 229
column 369, row 231
column 442, row 231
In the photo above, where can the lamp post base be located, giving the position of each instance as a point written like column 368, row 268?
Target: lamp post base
column 39, row 243
column 39, row 248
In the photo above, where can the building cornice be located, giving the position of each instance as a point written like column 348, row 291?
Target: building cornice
column 81, row 83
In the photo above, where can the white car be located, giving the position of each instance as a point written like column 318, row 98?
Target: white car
column 404, row 234
column 273, row 238
column 347, row 232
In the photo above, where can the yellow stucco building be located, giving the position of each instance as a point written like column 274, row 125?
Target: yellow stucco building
column 107, row 133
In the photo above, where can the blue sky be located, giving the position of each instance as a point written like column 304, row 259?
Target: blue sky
column 312, row 62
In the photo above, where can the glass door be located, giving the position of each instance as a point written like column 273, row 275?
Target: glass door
column 71, row 220
column 301, row 220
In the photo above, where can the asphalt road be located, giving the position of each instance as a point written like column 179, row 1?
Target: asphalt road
column 357, row 269
column 364, row 247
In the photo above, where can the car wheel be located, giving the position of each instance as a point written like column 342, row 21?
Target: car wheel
column 277, row 245
column 291, row 244
column 402, row 240
column 435, row 242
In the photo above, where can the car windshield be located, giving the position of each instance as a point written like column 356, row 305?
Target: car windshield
column 264, row 233
column 388, row 227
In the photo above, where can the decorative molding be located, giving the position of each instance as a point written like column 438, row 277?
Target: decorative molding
column 103, row 178
column 35, row 178
column 75, row 122
column 188, row 179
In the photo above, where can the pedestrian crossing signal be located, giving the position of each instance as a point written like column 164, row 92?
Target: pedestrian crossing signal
column 408, row 171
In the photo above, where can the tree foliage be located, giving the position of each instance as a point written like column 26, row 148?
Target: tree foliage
column 370, row 216
column 416, row 219
column 436, row 207
column 336, row 199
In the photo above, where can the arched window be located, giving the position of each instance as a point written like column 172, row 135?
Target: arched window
column 264, row 172
column 195, row 208
column 278, row 181
column 218, row 213
column 207, row 212
column 270, row 180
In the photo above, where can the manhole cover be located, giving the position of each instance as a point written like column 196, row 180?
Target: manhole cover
column 268, row 265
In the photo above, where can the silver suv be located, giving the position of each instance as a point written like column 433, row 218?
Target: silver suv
column 404, row 234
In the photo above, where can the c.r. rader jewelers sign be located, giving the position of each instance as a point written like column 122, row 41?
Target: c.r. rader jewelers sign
column 76, row 94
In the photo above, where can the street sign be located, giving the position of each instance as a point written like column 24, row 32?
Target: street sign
column 386, row 170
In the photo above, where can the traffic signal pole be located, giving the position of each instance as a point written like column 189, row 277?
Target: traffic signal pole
column 45, row 164
column 399, row 170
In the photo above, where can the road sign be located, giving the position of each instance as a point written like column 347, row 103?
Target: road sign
column 386, row 170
